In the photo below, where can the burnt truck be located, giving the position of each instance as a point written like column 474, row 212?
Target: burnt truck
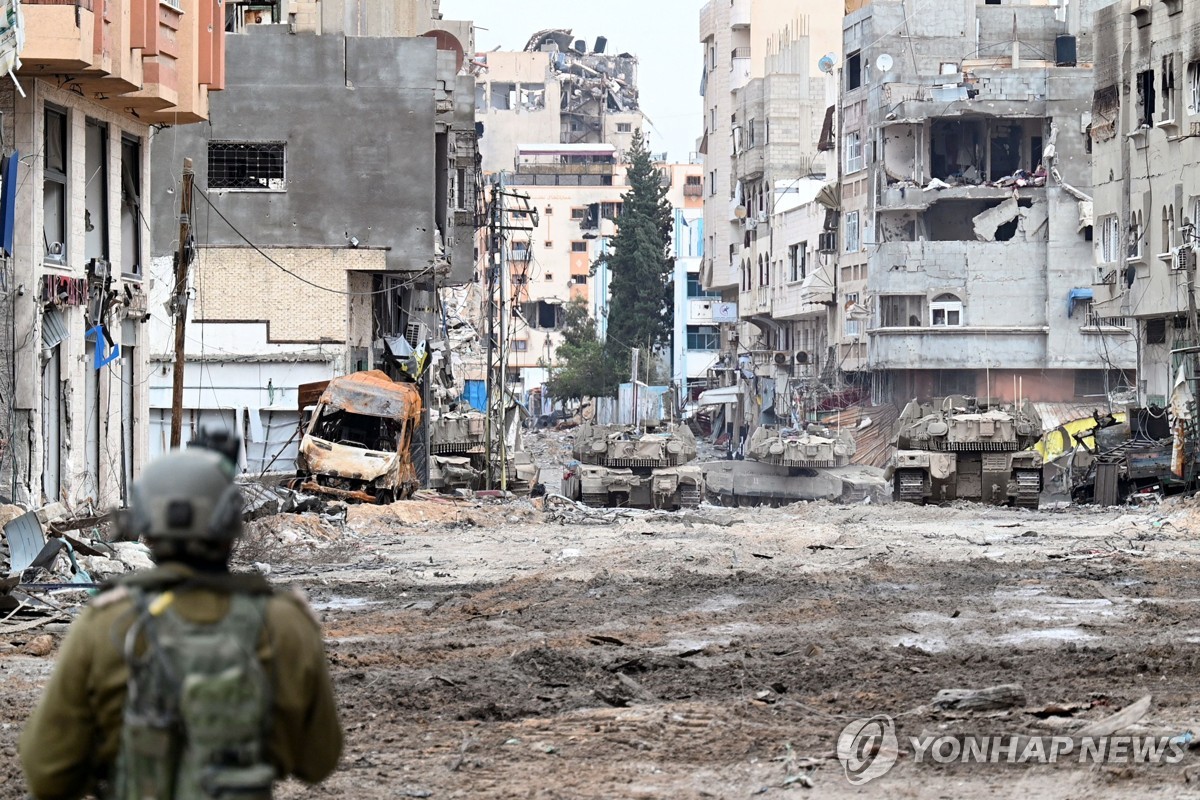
column 790, row 464
column 357, row 438
column 618, row 466
column 963, row 448
column 458, row 455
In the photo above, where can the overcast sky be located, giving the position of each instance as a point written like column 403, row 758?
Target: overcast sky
column 663, row 34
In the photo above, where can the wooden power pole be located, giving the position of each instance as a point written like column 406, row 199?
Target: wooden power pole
column 180, row 300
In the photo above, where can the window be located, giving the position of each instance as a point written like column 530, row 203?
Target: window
column 520, row 345
column 1145, row 99
column 624, row 127
column 1169, row 95
column 54, row 184
column 503, row 95
column 854, row 153
column 854, row 72
column 1110, row 239
column 851, row 305
column 579, row 280
column 458, row 189
column 543, row 315
column 578, row 247
column 750, row 138
column 712, row 182
column 481, row 97
column 610, row 210
column 703, row 337
column 1193, row 79
column 578, row 213
column 901, row 311
column 95, row 192
column 694, row 289
column 1135, row 235
column 692, row 180
column 255, row 166
column 797, row 261
column 852, row 233
column 131, row 206
column 533, row 96
column 549, row 244
column 1168, row 228
column 520, row 251
column 945, row 311
column 1156, row 331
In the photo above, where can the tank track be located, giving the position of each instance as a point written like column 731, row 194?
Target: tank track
column 1029, row 488
column 910, row 486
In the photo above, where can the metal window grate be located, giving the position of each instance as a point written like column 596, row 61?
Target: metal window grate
column 247, row 165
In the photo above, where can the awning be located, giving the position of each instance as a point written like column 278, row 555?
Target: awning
column 721, row 396
column 830, row 196
column 1082, row 295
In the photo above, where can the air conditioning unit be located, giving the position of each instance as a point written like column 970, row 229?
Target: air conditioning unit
column 751, row 223
column 762, row 216
column 783, row 359
column 801, row 357
column 827, row 242
column 1185, row 258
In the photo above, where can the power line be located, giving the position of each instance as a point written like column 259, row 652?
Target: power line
column 411, row 282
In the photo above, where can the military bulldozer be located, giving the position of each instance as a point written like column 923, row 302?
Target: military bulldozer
column 620, row 466
column 962, row 448
column 787, row 465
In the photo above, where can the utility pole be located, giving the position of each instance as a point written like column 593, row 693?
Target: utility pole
column 180, row 300
column 502, row 370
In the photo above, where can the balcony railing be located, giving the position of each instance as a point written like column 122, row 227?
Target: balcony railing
column 84, row 4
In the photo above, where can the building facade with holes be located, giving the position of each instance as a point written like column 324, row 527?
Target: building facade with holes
column 329, row 207
column 966, row 231
column 1146, row 166
column 76, row 118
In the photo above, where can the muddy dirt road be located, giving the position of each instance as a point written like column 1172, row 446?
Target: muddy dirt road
column 487, row 651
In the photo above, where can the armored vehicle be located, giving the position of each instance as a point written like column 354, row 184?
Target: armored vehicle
column 618, row 466
column 458, row 455
column 967, row 449
column 786, row 465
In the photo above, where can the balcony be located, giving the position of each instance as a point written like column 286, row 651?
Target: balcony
column 60, row 37
column 957, row 347
column 751, row 163
column 739, row 68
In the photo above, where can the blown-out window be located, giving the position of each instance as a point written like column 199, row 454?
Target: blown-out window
column 255, row 166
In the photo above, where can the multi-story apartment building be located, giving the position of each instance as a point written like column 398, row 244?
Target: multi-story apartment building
column 767, row 103
column 965, row 258
column 330, row 206
column 1145, row 117
column 90, row 83
column 696, row 336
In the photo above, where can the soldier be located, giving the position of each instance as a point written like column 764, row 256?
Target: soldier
column 185, row 681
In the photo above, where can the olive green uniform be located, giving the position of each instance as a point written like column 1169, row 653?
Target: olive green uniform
column 71, row 741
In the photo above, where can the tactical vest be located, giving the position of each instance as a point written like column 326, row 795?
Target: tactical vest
column 198, row 706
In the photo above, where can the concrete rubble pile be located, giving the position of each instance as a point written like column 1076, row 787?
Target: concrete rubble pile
column 52, row 562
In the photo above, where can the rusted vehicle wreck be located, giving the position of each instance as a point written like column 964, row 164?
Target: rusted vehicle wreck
column 357, row 442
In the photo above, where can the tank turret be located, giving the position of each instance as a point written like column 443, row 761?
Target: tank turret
column 963, row 424
column 816, row 446
column 622, row 446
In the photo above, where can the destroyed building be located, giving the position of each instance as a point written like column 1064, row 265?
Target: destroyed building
column 336, row 191
column 558, row 89
column 1145, row 115
column 965, row 234
column 79, row 102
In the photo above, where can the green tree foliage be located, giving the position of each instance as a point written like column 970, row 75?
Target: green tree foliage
column 641, row 308
column 584, row 368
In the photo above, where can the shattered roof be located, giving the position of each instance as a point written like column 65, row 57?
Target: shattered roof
column 538, row 39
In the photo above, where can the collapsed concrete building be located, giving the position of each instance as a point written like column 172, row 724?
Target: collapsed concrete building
column 965, row 229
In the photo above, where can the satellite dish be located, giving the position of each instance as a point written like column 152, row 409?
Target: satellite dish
column 884, row 63
column 826, row 63
column 740, row 212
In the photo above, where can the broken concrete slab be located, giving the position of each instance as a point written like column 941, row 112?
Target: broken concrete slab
column 25, row 540
column 987, row 223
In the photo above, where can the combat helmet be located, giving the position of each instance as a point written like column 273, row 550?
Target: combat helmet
column 185, row 495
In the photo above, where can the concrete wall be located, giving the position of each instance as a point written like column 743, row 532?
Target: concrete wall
column 357, row 115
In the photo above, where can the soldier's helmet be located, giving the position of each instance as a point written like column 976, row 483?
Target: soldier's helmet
column 187, row 494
